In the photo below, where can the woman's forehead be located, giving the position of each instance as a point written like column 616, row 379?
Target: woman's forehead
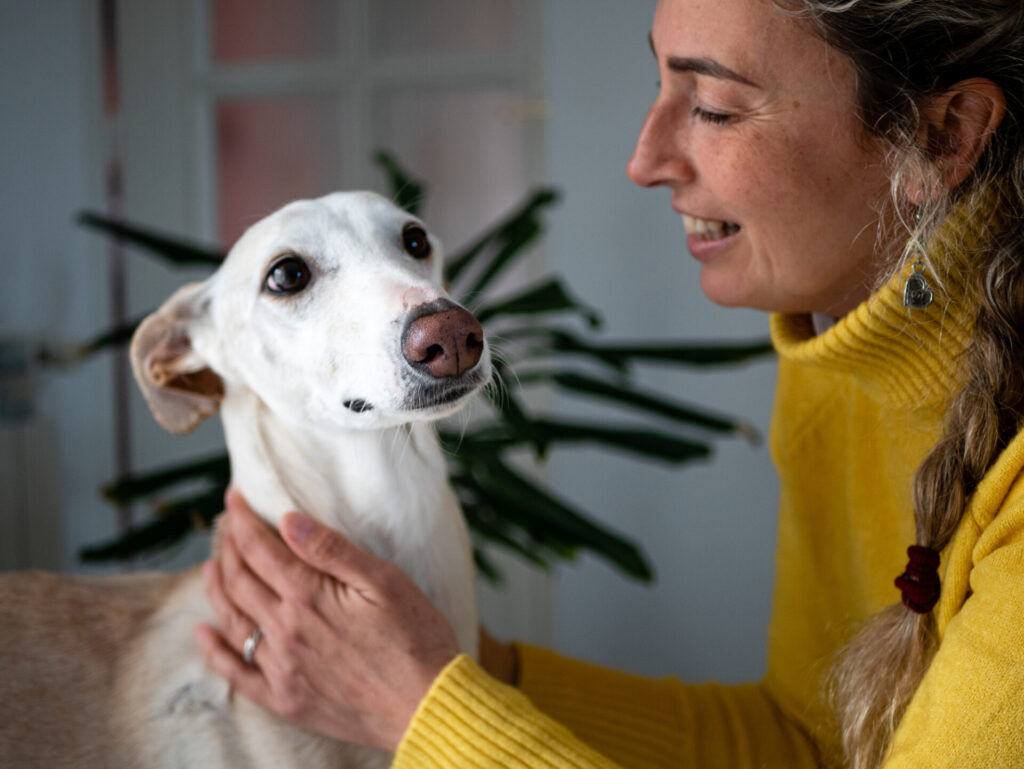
column 755, row 39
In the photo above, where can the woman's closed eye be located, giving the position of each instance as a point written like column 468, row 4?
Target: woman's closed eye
column 717, row 118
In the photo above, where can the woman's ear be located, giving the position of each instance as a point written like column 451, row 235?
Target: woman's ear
column 955, row 129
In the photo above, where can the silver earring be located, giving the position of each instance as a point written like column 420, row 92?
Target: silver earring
column 917, row 294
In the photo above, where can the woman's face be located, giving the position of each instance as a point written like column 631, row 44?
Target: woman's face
column 755, row 133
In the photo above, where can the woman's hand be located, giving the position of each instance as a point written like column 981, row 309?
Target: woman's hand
column 350, row 645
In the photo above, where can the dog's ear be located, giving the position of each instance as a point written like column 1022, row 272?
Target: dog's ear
column 178, row 384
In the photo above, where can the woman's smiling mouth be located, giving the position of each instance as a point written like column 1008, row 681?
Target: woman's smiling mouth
column 709, row 229
column 707, row 236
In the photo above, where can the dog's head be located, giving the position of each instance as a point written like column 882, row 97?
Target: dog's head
column 333, row 311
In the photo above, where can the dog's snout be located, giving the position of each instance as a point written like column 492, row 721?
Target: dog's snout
column 446, row 343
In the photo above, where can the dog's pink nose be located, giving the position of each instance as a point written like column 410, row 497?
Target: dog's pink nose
column 447, row 343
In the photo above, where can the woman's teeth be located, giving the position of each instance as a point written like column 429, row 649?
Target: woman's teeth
column 709, row 229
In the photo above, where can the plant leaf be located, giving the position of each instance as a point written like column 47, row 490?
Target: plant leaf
column 485, row 566
column 541, row 536
column 157, row 534
column 620, row 354
column 482, row 523
column 539, row 511
column 201, row 508
column 173, row 522
column 650, row 402
column 549, row 296
column 128, row 488
column 501, row 396
column 517, row 238
column 114, row 337
column 648, row 443
column 406, row 192
column 73, row 353
column 509, row 237
column 174, row 250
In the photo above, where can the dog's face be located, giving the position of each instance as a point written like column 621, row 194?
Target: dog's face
column 332, row 311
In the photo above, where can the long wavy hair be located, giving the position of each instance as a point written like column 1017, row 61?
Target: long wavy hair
column 904, row 53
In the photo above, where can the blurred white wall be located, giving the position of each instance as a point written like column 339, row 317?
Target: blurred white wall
column 709, row 529
column 54, row 273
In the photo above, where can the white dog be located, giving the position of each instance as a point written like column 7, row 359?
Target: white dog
column 328, row 344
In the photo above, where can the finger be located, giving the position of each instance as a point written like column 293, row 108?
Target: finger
column 234, row 625
column 242, row 677
column 264, row 553
column 241, row 626
column 236, row 633
column 245, row 589
column 326, row 550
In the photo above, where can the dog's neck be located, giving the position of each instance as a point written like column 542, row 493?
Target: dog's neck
column 385, row 490
column 362, row 483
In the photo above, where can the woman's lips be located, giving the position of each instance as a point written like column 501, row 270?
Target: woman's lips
column 707, row 236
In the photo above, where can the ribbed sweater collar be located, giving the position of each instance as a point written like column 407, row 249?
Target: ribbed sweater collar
column 902, row 357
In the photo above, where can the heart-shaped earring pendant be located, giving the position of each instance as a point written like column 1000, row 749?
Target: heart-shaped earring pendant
column 917, row 294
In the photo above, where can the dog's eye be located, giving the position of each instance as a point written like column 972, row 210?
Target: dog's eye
column 416, row 242
column 287, row 275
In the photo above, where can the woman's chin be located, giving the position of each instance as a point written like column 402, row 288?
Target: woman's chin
column 733, row 288
column 727, row 289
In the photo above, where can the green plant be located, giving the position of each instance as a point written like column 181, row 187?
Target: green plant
column 540, row 346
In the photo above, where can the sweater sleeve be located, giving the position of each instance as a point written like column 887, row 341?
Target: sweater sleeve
column 574, row 715
column 468, row 719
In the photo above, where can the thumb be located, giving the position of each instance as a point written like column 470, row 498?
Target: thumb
column 328, row 551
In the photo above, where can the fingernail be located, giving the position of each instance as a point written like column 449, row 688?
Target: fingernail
column 299, row 525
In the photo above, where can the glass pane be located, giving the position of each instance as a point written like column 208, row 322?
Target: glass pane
column 271, row 151
column 467, row 145
column 269, row 30
column 403, row 26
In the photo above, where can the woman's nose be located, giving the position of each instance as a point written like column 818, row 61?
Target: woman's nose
column 660, row 156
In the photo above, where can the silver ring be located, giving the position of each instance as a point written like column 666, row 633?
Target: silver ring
column 249, row 648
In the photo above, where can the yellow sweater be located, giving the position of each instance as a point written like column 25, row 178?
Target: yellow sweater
column 856, row 410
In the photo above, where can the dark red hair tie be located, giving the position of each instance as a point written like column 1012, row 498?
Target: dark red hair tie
column 920, row 582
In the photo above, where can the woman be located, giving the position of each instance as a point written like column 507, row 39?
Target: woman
column 857, row 168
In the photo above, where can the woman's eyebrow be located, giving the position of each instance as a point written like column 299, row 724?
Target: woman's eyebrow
column 703, row 66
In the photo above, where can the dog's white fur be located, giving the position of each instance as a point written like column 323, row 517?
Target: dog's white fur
column 126, row 685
